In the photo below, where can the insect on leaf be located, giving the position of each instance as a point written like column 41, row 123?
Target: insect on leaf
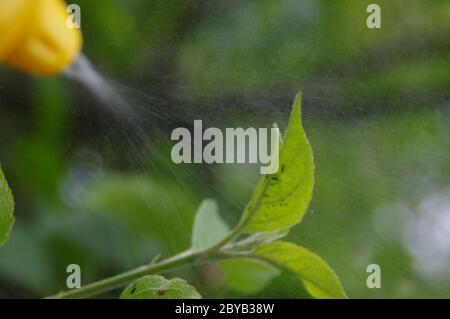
column 158, row 287
column 280, row 200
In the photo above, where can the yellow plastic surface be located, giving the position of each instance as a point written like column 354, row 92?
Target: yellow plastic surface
column 34, row 36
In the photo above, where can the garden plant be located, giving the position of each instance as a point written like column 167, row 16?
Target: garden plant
column 278, row 203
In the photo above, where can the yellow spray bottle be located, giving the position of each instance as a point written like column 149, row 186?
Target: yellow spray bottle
column 35, row 37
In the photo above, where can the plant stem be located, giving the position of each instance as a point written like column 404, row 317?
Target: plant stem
column 125, row 278
column 185, row 257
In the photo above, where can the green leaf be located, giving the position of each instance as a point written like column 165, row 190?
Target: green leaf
column 247, row 276
column 158, row 287
column 280, row 200
column 317, row 277
column 6, row 209
column 208, row 227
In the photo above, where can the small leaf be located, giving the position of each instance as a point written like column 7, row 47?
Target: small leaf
column 6, row 209
column 158, row 287
column 208, row 227
column 247, row 276
column 280, row 200
column 318, row 278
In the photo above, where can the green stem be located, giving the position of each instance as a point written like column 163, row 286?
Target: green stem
column 186, row 257
column 125, row 278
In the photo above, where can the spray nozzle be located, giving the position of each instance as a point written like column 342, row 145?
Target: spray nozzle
column 35, row 36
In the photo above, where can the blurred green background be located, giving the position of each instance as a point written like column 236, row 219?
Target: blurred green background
column 103, row 193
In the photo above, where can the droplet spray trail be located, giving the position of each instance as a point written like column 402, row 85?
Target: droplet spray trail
column 124, row 102
column 131, row 109
column 85, row 74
